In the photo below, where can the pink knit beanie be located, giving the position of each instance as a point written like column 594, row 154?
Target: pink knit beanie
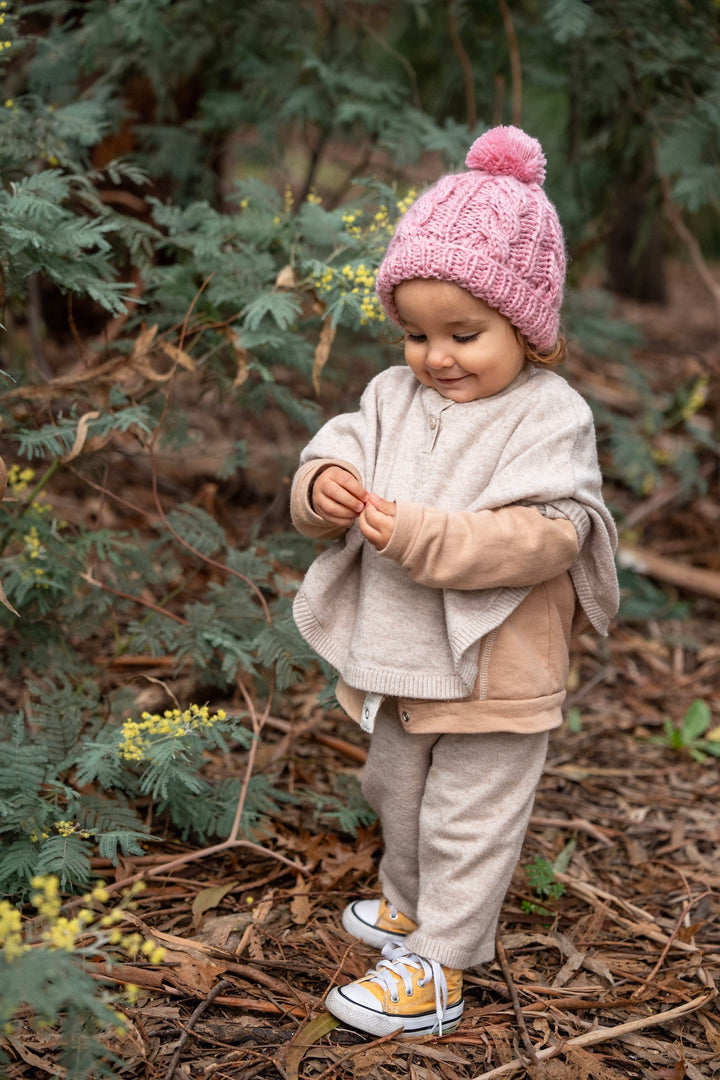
column 491, row 230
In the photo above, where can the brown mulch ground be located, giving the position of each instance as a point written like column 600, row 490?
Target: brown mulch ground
column 613, row 978
column 616, row 979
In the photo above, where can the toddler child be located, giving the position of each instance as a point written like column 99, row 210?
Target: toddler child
column 464, row 499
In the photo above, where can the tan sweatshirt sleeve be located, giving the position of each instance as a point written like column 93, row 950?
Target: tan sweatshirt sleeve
column 304, row 518
column 512, row 546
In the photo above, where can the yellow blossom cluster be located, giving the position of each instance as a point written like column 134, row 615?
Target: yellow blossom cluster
column 33, row 545
column 349, row 220
column 68, row 828
column 3, row 13
column 46, row 898
column 359, row 279
column 61, row 932
column 696, row 399
column 34, row 549
column 19, row 479
column 152, row 728
column 289, row 203
column 404, row 205
column 10, row 930
column 33, row 552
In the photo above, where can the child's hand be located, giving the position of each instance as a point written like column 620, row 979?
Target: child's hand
column 377, row 521
column 338, row 497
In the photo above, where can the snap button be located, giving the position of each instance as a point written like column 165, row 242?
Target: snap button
column 433, row 423
column 405, row 717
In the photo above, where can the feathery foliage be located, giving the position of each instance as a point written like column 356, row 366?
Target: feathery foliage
column 194, row 198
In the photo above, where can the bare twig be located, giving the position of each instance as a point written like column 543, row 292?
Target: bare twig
column 175, row 1061
column 580, row 824
column 203, row 853
column 693, row 247
column 35, row 327
column 602, row 1035
column 666, row 948
column 659, row 499
column 141, row 601
column 515, row 64
column 382, row 43
column 503, row 961
column 189, row 547
column 255, row 1005
column 468, row 80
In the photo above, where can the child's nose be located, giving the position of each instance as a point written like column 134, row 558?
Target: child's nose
column 438, row 356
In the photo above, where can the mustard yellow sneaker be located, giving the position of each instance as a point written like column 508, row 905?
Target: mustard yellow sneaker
column 376, row 922
column 405, row 993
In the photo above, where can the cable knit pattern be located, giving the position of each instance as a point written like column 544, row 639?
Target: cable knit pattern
column 491, row 230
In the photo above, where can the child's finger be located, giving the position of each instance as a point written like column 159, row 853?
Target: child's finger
column 334, row 502
column 353, row 485
column 374, row 517
column 376, row 526
column 336, row 488
column 382, row 505
column 369, row 531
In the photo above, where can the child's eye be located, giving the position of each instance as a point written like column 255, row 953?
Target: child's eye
column 414, row 338
column 464, row 339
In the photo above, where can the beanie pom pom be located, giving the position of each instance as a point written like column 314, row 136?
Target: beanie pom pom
column 508, row 151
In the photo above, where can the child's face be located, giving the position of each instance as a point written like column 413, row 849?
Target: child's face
column 456, row 343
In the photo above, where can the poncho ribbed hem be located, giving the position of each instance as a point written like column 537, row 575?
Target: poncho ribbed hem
column 428, row 685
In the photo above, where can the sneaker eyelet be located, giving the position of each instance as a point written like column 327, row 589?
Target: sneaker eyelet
column 421, row 983
column 394, row 999
column 410, row 992
column 393, row 917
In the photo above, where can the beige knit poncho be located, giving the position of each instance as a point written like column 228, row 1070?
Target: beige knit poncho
column 531, row 444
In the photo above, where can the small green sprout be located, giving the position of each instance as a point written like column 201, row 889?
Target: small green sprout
column 692, row 734
column 541, row 877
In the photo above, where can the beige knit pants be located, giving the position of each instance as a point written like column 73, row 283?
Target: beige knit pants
column 454, row 810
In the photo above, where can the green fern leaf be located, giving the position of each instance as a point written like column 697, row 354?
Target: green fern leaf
column 283, row 308
column 198, row 529
column 67, row 857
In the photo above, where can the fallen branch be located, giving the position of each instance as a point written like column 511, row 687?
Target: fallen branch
column 602, row 1035
column 187, row 1030
column 517, row 1009
column 691, row 243
column 255, row 1005
column 340, row 746
column 693, row 578
column 575, row 823
column 666, row 948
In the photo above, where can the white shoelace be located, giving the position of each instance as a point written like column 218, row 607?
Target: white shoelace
column 397, row 961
